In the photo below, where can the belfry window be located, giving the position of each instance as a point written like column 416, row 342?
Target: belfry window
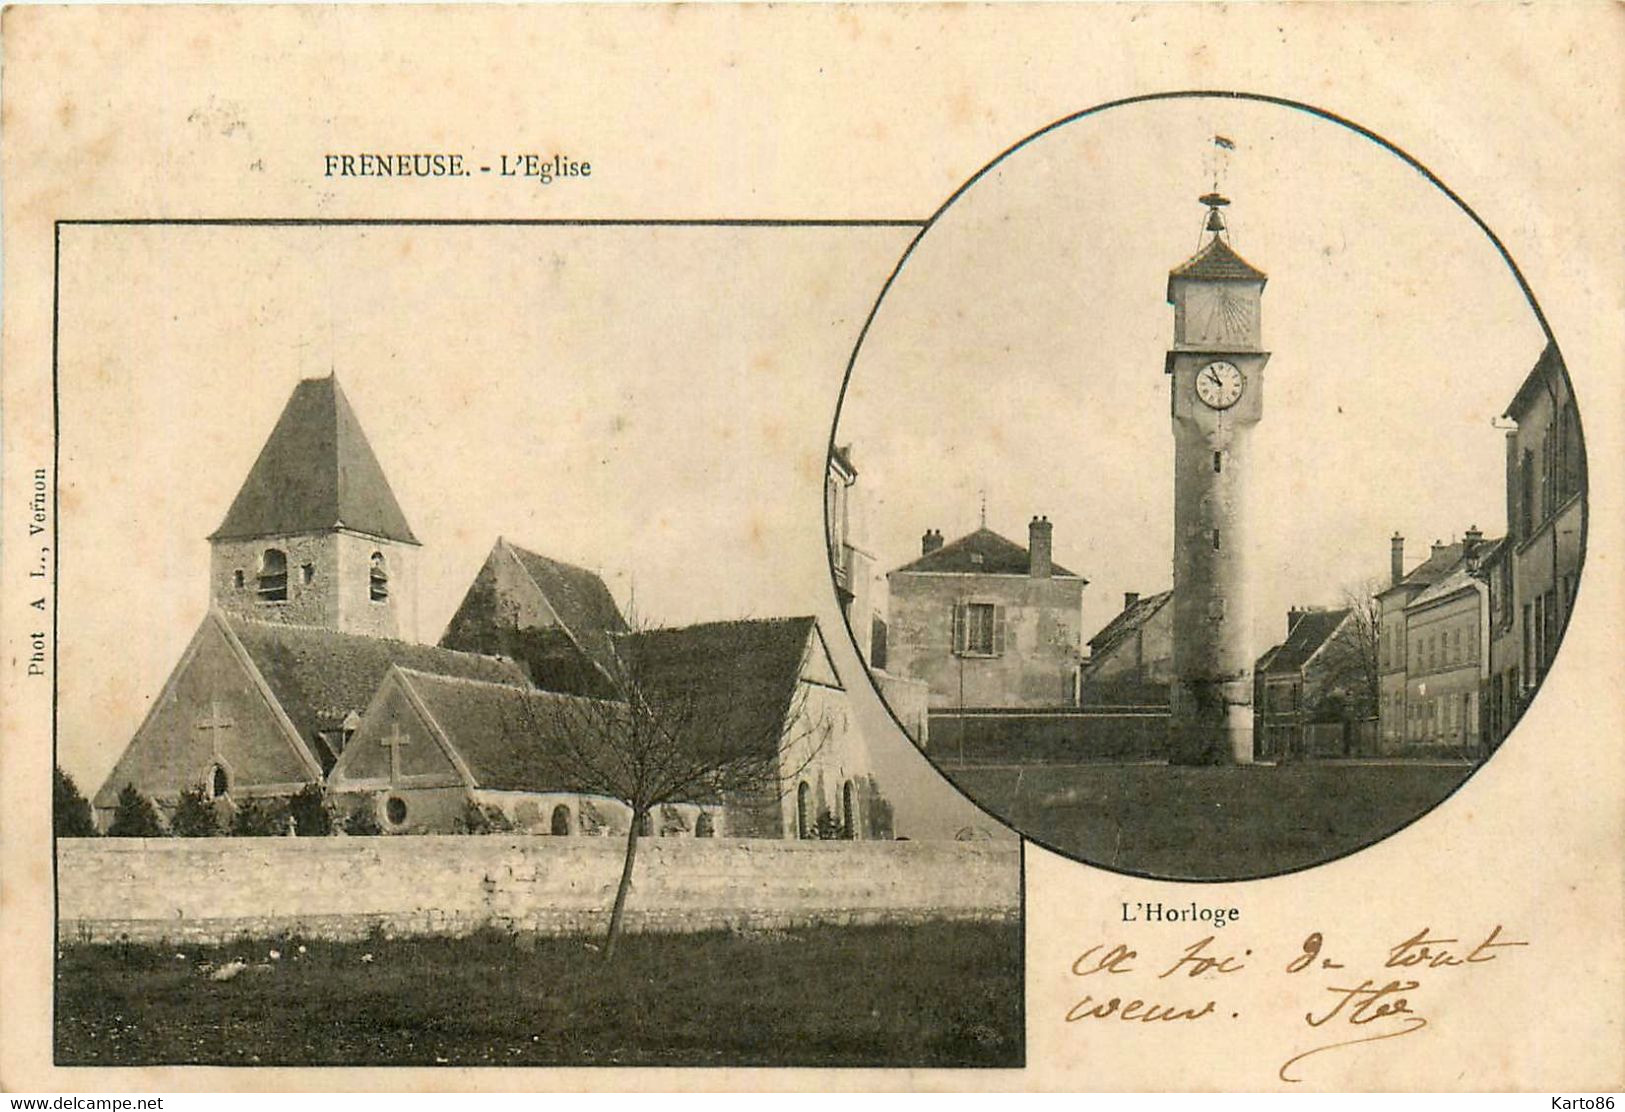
column 378, row 579
column 273, row 579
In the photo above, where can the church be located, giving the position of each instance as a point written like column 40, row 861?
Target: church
column 302, row 673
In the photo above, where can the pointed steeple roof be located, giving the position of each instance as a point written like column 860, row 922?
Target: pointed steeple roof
column 316, row 472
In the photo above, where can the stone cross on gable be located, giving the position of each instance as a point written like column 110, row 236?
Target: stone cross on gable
column 394, row 741
column 214, row 723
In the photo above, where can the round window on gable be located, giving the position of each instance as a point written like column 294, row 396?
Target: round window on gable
column 395, row 811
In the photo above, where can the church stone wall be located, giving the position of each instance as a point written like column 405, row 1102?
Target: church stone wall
column 217, row 889
column 337, row 595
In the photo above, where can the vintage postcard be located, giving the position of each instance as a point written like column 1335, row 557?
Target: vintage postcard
column 708, row 547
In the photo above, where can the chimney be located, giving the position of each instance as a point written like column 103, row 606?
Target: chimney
column 930, row 542
column 1292, row 617
column 1470, row 541
column 1130, row 598
column 1396, row 560
column 1438, row 547
column 1039, row 563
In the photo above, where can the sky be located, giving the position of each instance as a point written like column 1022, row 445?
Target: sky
column 1019, row 353
column 651, row 403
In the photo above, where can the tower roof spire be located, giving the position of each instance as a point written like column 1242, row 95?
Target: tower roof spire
column 316, row 472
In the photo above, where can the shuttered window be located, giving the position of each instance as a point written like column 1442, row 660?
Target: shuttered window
column 979, row 629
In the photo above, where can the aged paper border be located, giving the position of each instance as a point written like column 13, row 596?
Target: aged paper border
column 1513, row 108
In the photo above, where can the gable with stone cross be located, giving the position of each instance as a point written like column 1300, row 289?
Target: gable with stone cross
column 214, row 712
column 398, row 747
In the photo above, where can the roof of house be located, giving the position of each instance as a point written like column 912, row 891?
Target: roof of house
column 1218, row 262
column 1305, row 639
column 1438, row 564
column 579, row 597
column 315, row 472
column 1126, row 622
column 515, row 738
column 1548, row 366
column 320, row 675
column 738, row 678
column 1459, row 577
column 983, row 552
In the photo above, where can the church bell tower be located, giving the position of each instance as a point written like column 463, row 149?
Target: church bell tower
column 1216, row 372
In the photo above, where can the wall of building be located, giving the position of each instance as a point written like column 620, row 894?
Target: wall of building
column 1446, row 647
column 337, row 594
column 1043, row 631
column 222, row 888
column 825, row 751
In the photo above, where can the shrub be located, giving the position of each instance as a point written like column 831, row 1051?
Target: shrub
column 135, row 816
column 478, row 818
column 826, row 827
column 70, row 811
column 311, row 816
column 194, row 815
column 362, row 821
column 259, row 818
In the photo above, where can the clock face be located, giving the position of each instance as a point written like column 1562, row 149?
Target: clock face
column 1219, row 384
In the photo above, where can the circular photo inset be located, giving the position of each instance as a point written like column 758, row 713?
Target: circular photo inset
column 1206, row 495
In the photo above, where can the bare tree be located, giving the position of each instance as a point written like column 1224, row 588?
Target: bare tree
column 1351, row 660
column 682, row 726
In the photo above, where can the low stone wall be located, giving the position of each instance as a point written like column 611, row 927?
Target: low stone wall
column 1060, row 736
column 217, row 889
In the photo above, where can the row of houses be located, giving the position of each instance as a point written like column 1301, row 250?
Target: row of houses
column 1468, row 637
column 1444, row 658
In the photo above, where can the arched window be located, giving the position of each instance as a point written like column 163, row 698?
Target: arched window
column 804, row 811
column 703, row 826
column 273, row 580
column 219, row 782
column 237, row 579
column 646, row 826
column 561, row 819
column 378, row 579
column 307, row 572
column 848, row 829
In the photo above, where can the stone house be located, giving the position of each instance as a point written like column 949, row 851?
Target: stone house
column 1536, row 573
column 1447, row 653
column 1312, row 676
column 1131, row 659
column 984, row 622
column 1434, row 647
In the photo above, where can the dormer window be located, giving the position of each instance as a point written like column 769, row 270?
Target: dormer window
column 273, row 578
column 378, row 579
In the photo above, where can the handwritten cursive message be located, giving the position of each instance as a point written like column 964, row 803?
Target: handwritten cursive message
column 1349, row 1002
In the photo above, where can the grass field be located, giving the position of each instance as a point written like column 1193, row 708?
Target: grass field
column 1209, row 823
column 937, row 994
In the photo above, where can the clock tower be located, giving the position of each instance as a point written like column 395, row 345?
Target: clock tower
column 1216, row 371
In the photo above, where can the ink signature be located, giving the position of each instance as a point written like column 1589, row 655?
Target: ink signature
column 1372, row 1008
